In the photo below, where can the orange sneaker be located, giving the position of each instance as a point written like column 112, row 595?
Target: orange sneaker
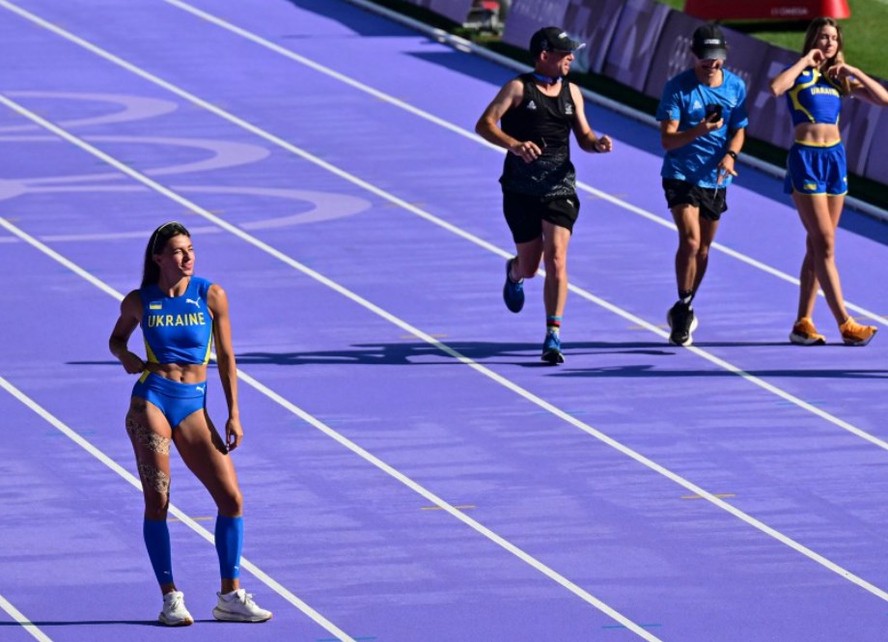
column 805, row 334
column 854, row 334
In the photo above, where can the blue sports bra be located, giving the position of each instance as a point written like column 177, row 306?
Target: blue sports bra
column 814, row 98
column 177, row 329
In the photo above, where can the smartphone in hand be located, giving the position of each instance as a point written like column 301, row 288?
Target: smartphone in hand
column 713, row 113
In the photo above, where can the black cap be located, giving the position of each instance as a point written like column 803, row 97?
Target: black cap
column 709, row 43
column 552, row 39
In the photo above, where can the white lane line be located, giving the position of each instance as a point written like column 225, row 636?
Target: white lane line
column 247, row 126
column 127, row 476
column 325, row 429
column 365, row 185
column 276, row 140
column 327, row 71
column 467, row 46
column 721, row 363
column 460, row 131
column 490, row 374
column 19, row 617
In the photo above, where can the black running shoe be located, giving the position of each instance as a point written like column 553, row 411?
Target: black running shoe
column 682, row 323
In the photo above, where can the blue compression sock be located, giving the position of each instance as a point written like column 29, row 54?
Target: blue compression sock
column 229, row 543
column 157, row 541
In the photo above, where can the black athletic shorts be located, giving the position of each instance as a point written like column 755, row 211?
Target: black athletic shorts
column 525, row 214
column 712, row 202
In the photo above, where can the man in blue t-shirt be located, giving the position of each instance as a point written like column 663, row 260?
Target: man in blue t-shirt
column 702, row 116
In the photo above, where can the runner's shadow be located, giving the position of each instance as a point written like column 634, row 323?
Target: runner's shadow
column 67, row 623
column 650, row 371
column 741, row 344
column 408, row 353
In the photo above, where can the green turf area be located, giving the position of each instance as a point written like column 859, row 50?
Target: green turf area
column 868, row 18
column 864, row 32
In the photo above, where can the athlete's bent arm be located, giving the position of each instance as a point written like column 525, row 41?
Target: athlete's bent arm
column 671, row 138
column 127, row 322
column 586, row 138
column 488, row 128
column 862, row 85
column 783, row 82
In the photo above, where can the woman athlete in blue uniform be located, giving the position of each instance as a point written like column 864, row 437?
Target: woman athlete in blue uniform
column 817, row 172
column 181, row 315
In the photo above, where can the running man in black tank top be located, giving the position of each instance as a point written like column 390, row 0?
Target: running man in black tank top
column 532, row 117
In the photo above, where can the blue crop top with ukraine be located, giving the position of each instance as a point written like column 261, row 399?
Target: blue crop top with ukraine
column 685, row 99
column 814, row 98
column 177, row 330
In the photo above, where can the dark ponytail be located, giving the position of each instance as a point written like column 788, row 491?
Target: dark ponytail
column 158, row 241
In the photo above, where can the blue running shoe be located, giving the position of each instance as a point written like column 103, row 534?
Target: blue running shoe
column 513, row 293
column 552, row 349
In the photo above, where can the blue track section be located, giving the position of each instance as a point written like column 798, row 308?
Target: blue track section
column 411, row 470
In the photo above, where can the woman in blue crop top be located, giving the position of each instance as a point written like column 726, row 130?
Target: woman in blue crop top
column 817, row 172
column 181, row 315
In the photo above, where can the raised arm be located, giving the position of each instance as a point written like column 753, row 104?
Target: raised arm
column 783, row 82
column 861, row 84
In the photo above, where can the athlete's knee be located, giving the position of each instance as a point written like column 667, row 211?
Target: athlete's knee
column 156, row 489
column 231, row 504
column 823, row 244
column 556, row 269
column 703, row 252
column 556, row 260
column 689, row 244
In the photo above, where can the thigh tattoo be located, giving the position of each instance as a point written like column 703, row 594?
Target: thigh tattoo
column 150, row 440
column 154, row 478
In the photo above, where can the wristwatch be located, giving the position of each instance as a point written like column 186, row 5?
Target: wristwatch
column 732, row 154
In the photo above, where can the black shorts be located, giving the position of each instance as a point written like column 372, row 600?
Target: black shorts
column 712, row 202
column 525, row 214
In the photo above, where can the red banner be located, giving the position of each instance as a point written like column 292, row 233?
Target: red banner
column 767, row 9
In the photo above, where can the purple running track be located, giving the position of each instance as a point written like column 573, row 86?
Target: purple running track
column 411, row 470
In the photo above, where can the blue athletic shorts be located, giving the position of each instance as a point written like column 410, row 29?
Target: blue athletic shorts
column 175, row 400
column 816, row 170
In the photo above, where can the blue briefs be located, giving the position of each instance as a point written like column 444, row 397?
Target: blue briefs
column 175, row 400
column 816, row 170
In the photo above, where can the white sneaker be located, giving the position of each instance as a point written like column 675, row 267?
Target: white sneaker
column 238, row 606
column 174, row 612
